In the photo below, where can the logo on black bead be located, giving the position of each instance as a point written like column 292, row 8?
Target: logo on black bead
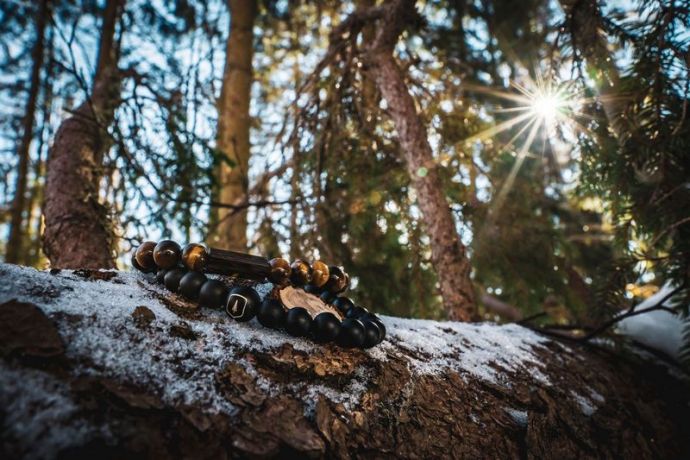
column 236, row 305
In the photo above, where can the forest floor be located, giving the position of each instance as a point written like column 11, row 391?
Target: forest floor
column 106, row 362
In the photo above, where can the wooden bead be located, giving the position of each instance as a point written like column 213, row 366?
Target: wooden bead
column 242, row 303
column 166, row 254
column 319, row 274
column 144, row 256
column 280, row 271
column 194, row 257
column 301, row 272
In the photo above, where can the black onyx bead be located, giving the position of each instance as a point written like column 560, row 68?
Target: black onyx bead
column 166, row 254
column 173, row 277
column 213, row 294
column 298, row 322
column 372, row 334
column 271, row 314
column 160, row 275
column 190, row 285
column 327, row 297
column 382, row 329
column 144, row 256
column 242, row 303
column 351, row 333
column 343, row 304
column 355, row 312
column 311, row 289
column 325, row 327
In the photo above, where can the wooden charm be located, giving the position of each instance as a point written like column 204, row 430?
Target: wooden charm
column 291, row 298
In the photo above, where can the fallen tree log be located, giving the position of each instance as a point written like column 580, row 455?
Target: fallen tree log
column 107, row 365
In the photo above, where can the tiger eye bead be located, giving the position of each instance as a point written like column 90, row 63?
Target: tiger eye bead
column 166, row 254
column 194, row 257
column 144, row 256
column 301, row 271
column 280, row 271
column 319, row 273
column 337, row 281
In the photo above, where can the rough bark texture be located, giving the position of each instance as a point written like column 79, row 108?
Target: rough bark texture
column 15, row 241
column 78, row 380
column 78, row 230
column 448, row 254
column 588, row 39
column 230, row 228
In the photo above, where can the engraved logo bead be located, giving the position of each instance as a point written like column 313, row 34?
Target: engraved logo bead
column 236, row 305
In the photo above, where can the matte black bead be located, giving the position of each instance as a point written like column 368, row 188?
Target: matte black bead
column 311, row 289
column 298, row 322
column 173, row 277
column 190, row 284
column 351, row 333
column 343, row 304
column 160, row 275
column 166, row 254
column 355, row 312
column 271, row 314
column 213, row 294
column 325, row 327
column 372, row 334
column 382, row 329
column 242, row 303
column 327, row 297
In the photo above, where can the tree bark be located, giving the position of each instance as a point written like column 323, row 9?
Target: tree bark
column 230, row 229
column 107, row 365
column 587, row 32
column 78, row 229
column 448, row 254
column 15, row 241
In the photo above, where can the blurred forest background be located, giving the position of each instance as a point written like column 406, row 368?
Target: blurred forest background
column 554, row 140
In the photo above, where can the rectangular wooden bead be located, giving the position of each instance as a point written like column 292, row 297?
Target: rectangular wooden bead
column 236, row 263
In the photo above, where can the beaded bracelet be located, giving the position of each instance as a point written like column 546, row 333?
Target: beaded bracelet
column 182, row 270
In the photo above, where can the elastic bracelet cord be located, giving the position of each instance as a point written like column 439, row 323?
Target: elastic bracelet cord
column 182, row 271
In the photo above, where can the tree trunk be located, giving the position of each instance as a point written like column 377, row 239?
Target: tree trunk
column 15, row 242
column 448, row 254
column 230, row 229
column 589, row 40
column 78, row 229
column 107, row 365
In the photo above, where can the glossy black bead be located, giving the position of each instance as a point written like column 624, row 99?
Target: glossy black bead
column 351, row 333
column 298, row 322
column 327, row 297
column 325, row 327
column 343, row 304
column 160, row 275
column 356, row 312
column 173, row 277
column 311, row 289
column 372, row 334
column 242, row 303
column 190, row 285
column 271, row 314
column 213, row 294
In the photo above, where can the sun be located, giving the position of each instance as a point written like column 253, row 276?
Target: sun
column 547, row 105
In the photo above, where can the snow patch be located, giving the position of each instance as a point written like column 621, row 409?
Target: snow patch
column 519, row 416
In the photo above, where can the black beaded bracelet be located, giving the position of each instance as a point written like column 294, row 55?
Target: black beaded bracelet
column 181, row 271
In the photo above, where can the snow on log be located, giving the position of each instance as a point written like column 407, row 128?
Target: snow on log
column 107, row 363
